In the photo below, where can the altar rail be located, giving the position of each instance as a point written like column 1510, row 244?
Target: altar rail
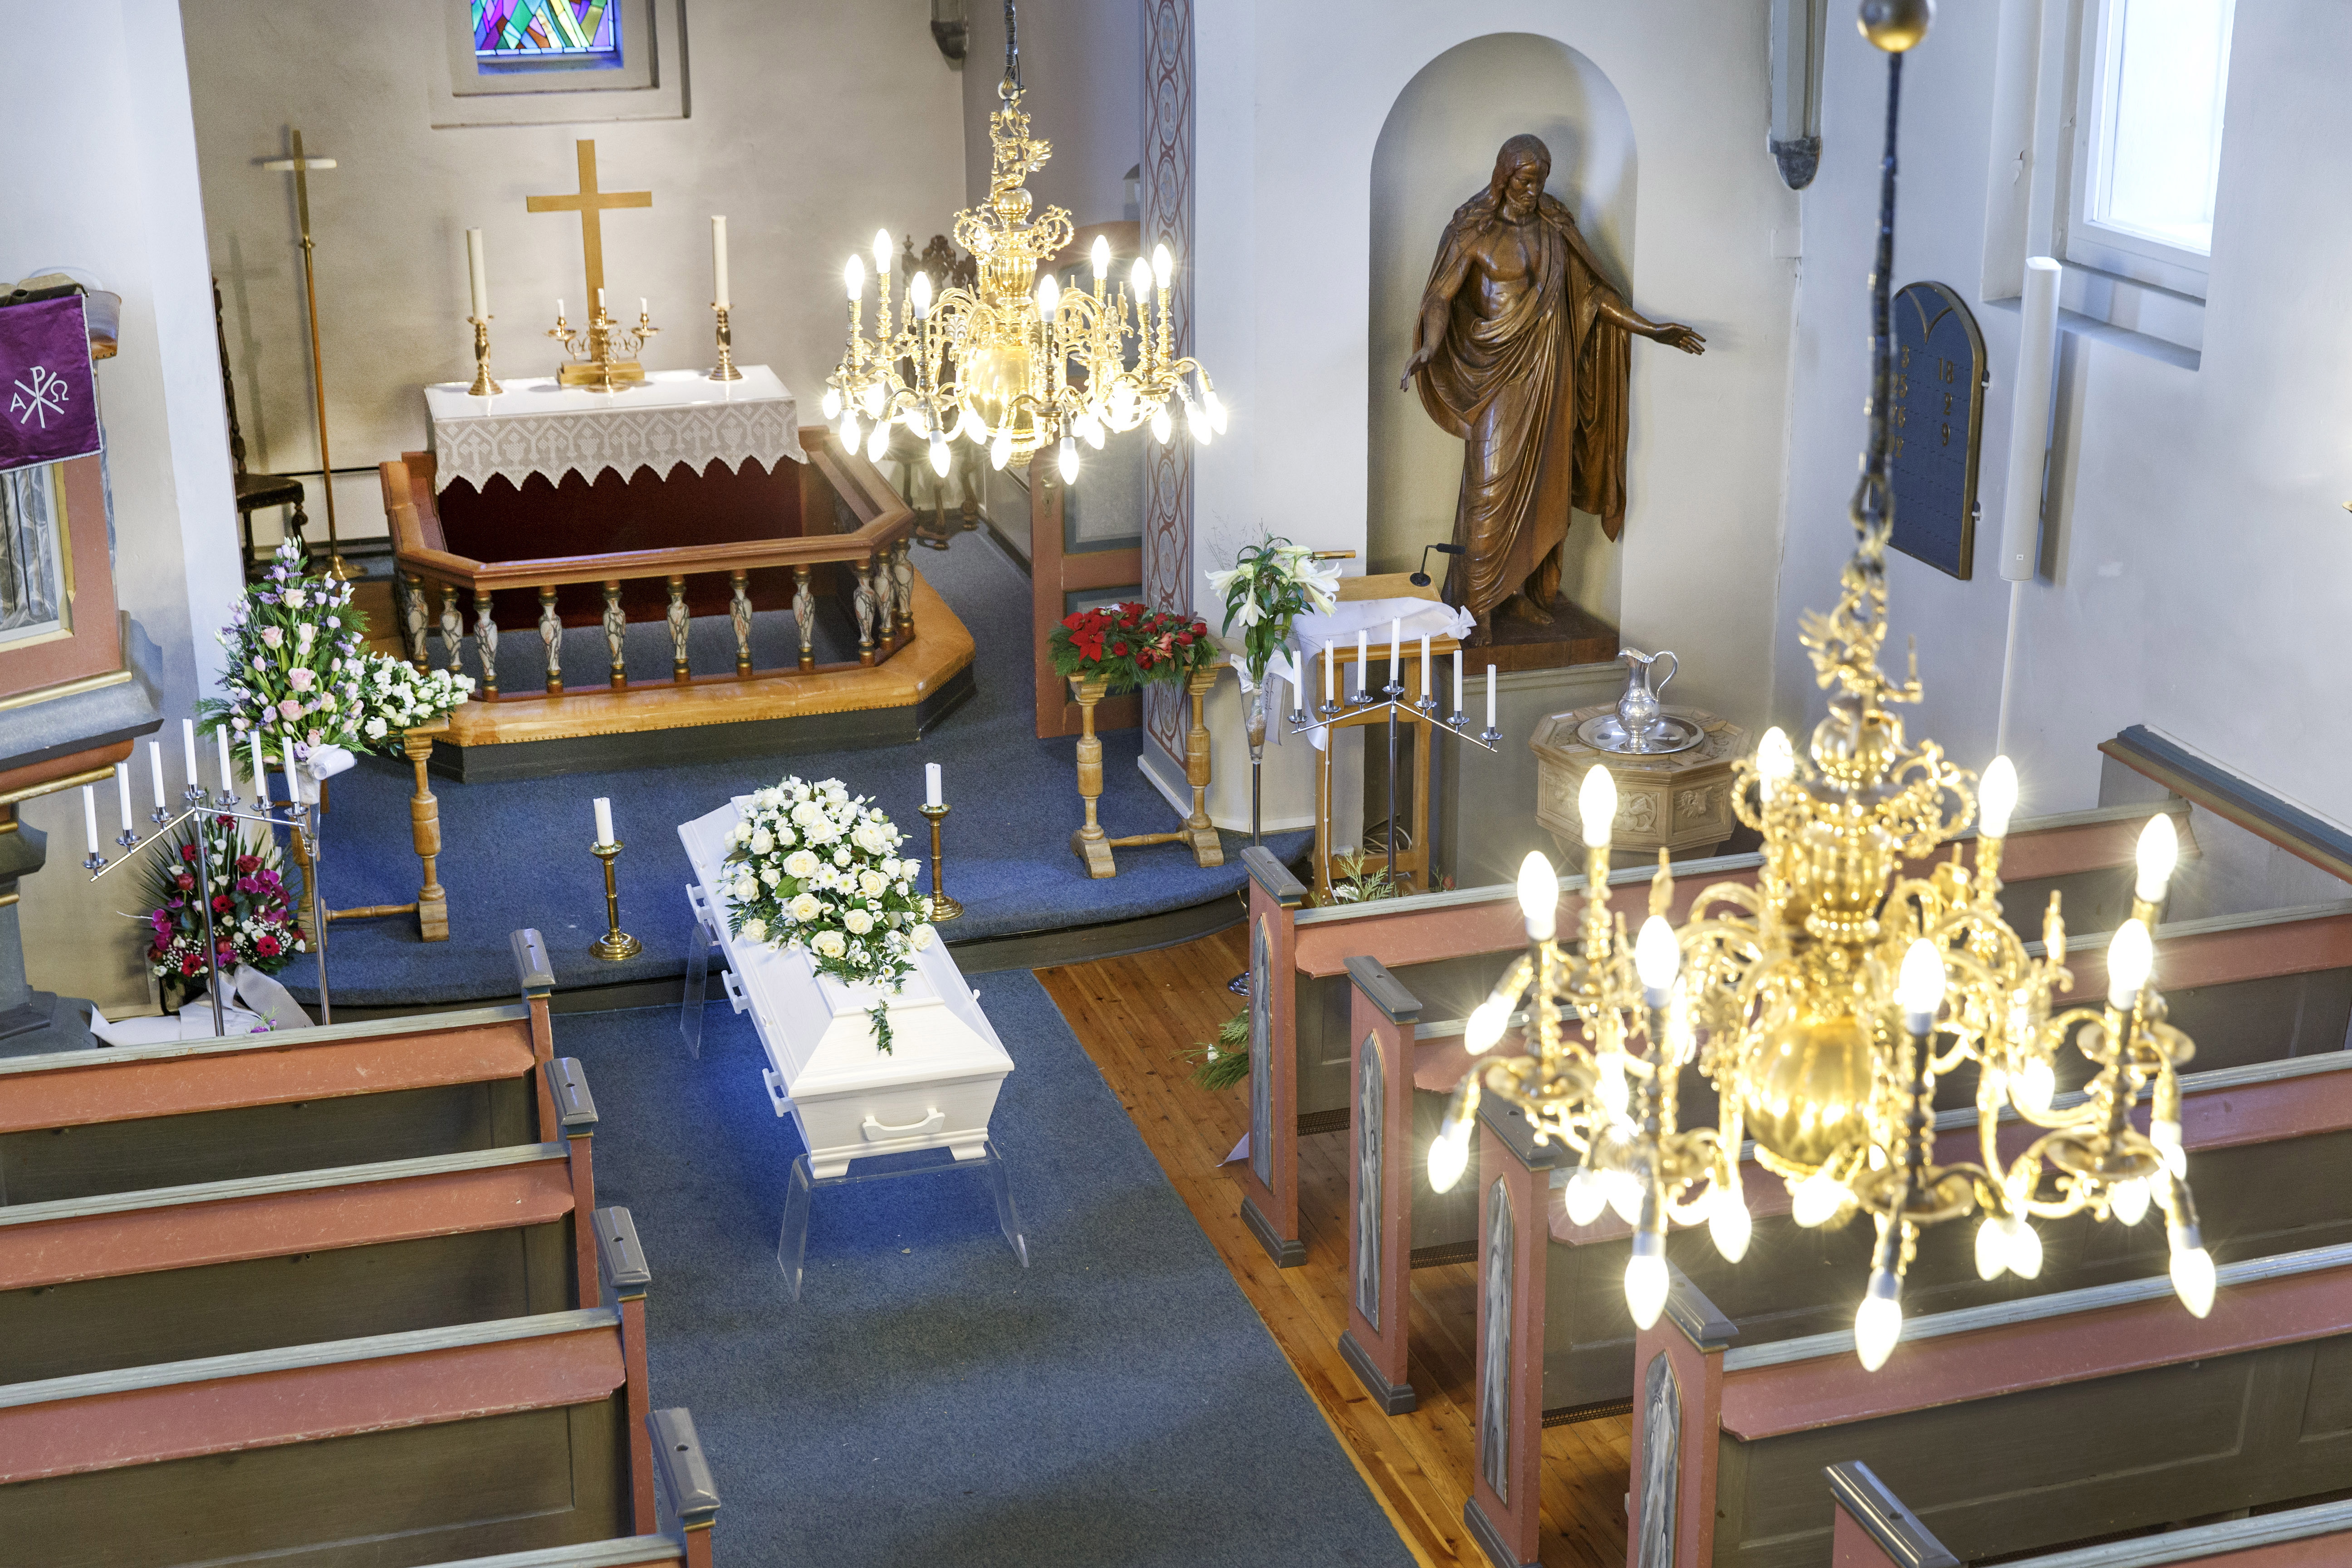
column 836, row 488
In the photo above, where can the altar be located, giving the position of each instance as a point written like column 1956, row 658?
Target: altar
column 680, row 497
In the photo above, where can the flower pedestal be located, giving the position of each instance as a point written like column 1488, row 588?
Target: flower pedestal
column 1090, row 843
column 432, row 906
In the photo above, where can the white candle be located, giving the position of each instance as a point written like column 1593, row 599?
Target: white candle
column 1363, row 661
column 89, row 816
column 1331, row 681
column 1457, row 680
column 559, row 309
column 155, row 769
column 600, row 298
column 228, row 770
column 603, row 820
column 1424, row 667
column 719, row 260
column 480, row 274
column 1490, row 697
column 293, row 779
column 931, row 785
column 260, row 771
column 188, row 745
column 1396, row 652
column 642, row 310
column 122, row 792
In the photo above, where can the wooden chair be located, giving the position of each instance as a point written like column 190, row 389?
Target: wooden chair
column 254, row 491
column 93, row 1285
column 1872, row 1529
column 76, row 1124
column 2010, row 1427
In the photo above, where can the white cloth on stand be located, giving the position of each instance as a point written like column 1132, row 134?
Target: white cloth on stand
column 538, row 426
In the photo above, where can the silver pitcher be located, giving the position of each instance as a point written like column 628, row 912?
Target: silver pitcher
column 1639, row 709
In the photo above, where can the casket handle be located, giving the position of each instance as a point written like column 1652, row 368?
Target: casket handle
column 876, row 1131
column 734, row 989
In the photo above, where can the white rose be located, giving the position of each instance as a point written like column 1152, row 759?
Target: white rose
column 858, row 921
column 841, row 856
column 806, row 908
column 808, row 814
column 872, row 883
column 770, row 875
column 762, row 841
column 800, row 863
column 757, row 930
column 744, row 888
column 830, row 943
column 922, row 936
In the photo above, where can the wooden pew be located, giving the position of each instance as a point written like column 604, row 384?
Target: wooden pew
column 407, row 1449
column 76, row 1124
column 2006, row 1427
column 1872, row 1529
column 98, row 1284
column 1447, row 949
column 2267, row 1139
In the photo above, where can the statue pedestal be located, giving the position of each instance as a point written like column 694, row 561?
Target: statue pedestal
column 1678, row 803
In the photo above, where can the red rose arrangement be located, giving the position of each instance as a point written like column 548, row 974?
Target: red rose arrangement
column 1128, row 644
column 253, row 914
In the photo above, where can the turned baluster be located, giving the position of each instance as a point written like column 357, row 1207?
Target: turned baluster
column 804, row 619
column 486, row 643
column 453, row 631
column 412, row 613
column 740, row 610
column 424, row 829
column 862, row 595
column 1208, row 849
column 1090, row 843
column 678, row 624
column 902, row 579
column 551, row 632
column 617, row 631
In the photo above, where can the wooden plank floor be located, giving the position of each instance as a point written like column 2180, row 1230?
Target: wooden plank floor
column 1133, row 1015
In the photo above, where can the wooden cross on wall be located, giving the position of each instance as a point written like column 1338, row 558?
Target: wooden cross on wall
column 591, row 203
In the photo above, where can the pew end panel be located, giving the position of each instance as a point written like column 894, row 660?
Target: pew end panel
column 1270, row 1175
column 1380, row 1188
column 689, row 1496
column 621, row 1264
column 1504, row 1512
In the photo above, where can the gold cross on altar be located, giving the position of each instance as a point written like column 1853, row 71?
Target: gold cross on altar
column 590, row 203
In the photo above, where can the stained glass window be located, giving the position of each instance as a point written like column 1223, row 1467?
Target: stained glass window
column 574, row 32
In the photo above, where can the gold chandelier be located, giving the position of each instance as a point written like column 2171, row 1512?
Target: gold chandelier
column 1015, row 363
column 1825, row 1003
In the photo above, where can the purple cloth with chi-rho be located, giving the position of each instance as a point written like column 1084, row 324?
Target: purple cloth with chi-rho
column 48, row 394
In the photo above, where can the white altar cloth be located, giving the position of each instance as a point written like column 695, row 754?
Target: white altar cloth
column 936, row 1088
column 673, row 417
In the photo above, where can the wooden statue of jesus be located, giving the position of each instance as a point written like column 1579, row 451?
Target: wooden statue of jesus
column 1522, row 350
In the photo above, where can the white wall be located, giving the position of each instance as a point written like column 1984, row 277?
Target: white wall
column 2201, row 552
column 1291, row 103
column 811, row 126
column 1082, row 88
column 102, row 177
column 1436, row 151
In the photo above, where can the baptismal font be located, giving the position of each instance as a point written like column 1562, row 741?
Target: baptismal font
column 1825, row 1003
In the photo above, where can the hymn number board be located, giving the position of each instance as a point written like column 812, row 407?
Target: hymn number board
column 1939, row 415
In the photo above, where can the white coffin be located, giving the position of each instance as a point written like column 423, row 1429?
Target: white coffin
column 935, row 1088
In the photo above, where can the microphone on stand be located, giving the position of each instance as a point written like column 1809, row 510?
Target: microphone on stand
column 1421, row 578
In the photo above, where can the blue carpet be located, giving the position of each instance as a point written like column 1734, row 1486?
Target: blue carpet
column 515, row 853
column 927, row 1400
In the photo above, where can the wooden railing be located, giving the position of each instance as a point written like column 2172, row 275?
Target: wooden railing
column 856, row 532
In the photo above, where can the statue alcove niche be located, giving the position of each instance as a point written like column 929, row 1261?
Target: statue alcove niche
column 1454, row 178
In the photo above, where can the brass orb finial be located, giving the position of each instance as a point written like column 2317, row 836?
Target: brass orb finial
column 1895, row 26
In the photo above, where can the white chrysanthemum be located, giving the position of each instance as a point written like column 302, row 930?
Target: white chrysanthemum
column 806, row 907
column 858, row 921
column 801, row 864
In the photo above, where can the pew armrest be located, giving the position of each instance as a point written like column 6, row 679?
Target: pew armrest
column 575, row 1108
column 686, row 1483
column 1896, row 1530
column 1273, row 876
column 619, row 1258
column 533, row 972
column 1383, row 990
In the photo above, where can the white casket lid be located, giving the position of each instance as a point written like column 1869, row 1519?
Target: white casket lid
column 818, row 1029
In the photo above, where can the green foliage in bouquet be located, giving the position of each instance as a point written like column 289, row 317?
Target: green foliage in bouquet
column 294, row 665
column 1269, row 585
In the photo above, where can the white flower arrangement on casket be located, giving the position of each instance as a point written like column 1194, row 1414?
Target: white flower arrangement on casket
column 397, row 696
column 815, row 869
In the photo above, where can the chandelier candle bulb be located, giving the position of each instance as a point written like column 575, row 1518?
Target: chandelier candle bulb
column 1776, row 763
column 1878, row 1321
column 1049, row 297
column 1163, row 266
column 1611, row 1089
column 1729, row 1224
column 1586, row 1197
column 719, row 260
column 1100, row 257
column 1485, row 1026
column 942, row 459
column 1069, row 463
column 2128, row 1201
column 2159, row 853
column 603, row 821
column 881, row 254
column 1596, row 805
column 1539, row 890
column 1816, row 1200
column 2024, row 1248
column 877, row 444
column 1647, row 1280
column 1996, row 798
column 853, row 278
column 2035, row 1088
column 2130, row 957
column 2192, row 1269
column 1992, row 1249
column 1657, row 957
column 1919, row 989
column 918, row 293
column 1139, row 280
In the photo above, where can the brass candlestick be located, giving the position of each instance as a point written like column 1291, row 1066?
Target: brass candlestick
column 615, row 945
column 726, row 371
column 943, row 908
column 483, row 385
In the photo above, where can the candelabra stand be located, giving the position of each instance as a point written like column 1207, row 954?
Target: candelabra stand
column 295, row 815
column 483, row 385
column 1391, row 698
column 943, row 908
column 615, row 945
column 726, row 371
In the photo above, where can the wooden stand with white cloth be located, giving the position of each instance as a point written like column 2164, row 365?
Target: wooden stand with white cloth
column 935, row 1088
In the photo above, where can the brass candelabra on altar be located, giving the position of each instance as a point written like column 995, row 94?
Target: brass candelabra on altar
column 1013, row 364
column 1825, row 1003
column 602, row 356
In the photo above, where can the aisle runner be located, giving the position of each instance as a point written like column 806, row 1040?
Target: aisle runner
column 927, row 1401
